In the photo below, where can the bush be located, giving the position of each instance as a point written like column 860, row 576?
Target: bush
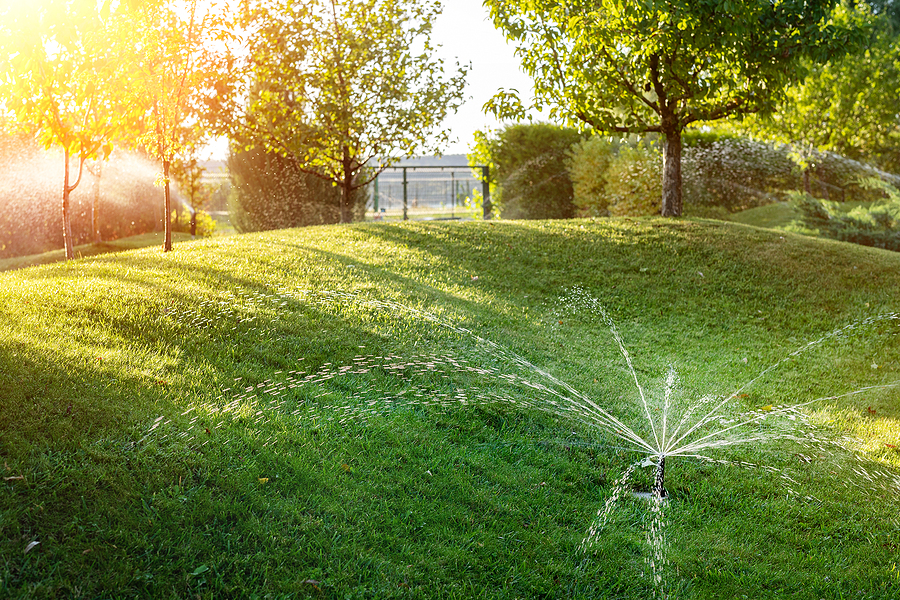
column 634, row 182
column 610, row 177
column 206, row 225
column 734, row 173
column 529, row 175
column 269, row 191
column 876, row 225
column 588, row 163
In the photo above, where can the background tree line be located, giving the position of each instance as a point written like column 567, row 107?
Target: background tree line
column 333, row 90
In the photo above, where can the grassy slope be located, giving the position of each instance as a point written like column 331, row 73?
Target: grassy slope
column 484, row 501
column 86, row 250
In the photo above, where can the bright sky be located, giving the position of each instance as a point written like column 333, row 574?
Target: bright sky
column 465, row 32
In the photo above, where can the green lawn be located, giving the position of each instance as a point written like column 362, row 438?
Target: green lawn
column 362, row 412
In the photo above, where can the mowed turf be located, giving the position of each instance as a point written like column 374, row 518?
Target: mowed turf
column 164, row 432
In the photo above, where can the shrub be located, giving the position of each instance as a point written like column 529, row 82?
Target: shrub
column 876, row 225
column 735, row 173
column 634, row 182
column 206, row 225
column 588, row 163
column 611, row 177
column 529, row 174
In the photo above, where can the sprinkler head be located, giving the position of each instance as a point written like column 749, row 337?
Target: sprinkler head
column 659, row 491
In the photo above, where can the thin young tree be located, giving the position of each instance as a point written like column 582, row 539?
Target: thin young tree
column 179, row 61
column 346, row 88
column 659, row 65
column 57, row 78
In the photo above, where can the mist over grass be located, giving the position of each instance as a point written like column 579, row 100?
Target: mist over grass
column 153, row 445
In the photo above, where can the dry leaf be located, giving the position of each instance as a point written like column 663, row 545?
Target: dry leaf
column 263, row 480
column 31, row 546
column 15, row 478
column 313, row 583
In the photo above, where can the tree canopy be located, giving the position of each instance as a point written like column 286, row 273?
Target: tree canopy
column 660, row 65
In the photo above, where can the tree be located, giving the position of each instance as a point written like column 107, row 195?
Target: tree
column 341, row 84
column 178, row 64
column 188, row 175
column 660, row 65
column 56, row 76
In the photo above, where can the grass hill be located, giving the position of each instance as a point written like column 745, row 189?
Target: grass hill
column 367, row 411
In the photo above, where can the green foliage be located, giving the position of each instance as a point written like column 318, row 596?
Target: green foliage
column 206, row 225
column 874, row 224
column 338, row 85
column 269, row 191
column 588, row 164
column 847, row 105
column 634, row 182
column 529, row 178
column 614, row 178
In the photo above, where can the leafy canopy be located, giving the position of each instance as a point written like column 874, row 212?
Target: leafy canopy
column 55, row 71
column 847, row 106
column 660, row 64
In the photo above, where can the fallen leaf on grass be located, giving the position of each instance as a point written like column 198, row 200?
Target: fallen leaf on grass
column 313, row 583
column 88, row 551
column 766, row 408
column 31, row 546
column 14, row 478
column 871, row 410
column 891, row 446
column 200, row 569
column 263, row 480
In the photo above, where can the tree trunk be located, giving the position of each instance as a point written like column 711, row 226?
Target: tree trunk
column 807, row 187
column 167, row 222
column 194, row 223
column 346, row 187
column 95, row 208
column 67, row 221
column 671, row 181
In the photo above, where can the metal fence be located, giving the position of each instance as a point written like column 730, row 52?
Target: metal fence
column 446, row 191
